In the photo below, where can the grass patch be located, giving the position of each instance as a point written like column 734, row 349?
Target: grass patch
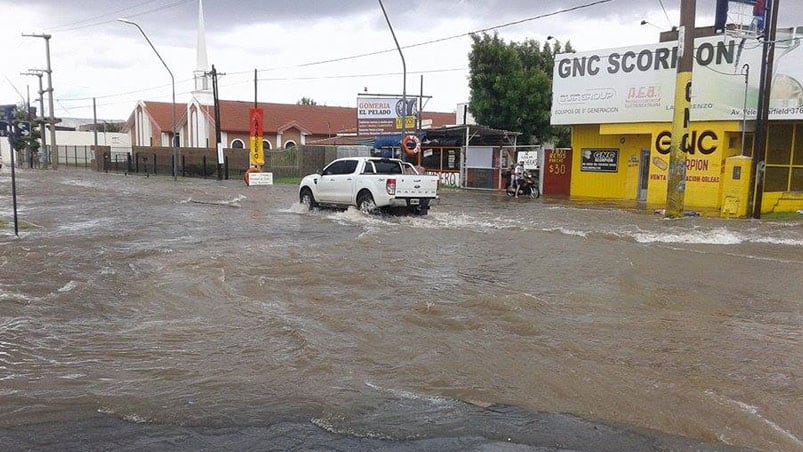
column 287, row 180
column 782, row 216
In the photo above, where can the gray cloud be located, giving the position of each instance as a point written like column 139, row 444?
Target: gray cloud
column 172, row 18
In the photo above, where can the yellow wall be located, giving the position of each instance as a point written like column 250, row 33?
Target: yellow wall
column 713, row 142
column 736, row 187
column 622, row 184
column 781, row 201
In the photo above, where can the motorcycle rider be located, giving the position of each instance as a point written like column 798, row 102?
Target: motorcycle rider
column 518, row 177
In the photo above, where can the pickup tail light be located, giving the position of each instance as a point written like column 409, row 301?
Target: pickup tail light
column 390, row 186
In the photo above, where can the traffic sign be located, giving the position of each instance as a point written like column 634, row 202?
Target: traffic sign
column 24, row 128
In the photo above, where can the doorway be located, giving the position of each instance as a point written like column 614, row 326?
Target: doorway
column 644, row 174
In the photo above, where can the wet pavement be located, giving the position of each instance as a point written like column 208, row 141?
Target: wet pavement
column 145, row 313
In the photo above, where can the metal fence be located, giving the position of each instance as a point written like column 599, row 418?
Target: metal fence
column 202, row 162
column 82, row 156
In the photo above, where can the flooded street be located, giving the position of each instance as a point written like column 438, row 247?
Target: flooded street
column 149, row 314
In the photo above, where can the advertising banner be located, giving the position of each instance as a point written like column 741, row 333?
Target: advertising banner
column 637, row 84
column 383, row 115
column 599, row 160
column 257, row 156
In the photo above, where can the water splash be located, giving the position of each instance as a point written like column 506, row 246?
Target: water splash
column 753, row 411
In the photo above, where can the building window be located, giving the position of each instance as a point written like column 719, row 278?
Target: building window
column 265, row 144
column 193, row 126
column 237, row 144
column 290, row 144
column 784, row 171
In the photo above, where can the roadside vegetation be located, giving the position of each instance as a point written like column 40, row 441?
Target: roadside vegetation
column 287, row 180
column 782, row 216
column 511, row 87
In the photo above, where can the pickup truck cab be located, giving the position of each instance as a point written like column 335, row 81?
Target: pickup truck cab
column 370, row 184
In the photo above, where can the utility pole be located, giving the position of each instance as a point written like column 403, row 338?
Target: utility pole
column 676, row 177
column 95, row 120
column 43, row 135
column 762, row 120
column 55, row 152
column 420, row 105
column 218, row 144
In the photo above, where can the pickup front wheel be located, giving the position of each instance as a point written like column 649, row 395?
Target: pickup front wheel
column 306, row 198
column 365, row 202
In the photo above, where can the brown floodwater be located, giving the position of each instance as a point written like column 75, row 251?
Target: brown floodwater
column 146, row 313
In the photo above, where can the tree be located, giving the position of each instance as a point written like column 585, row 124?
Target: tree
column 511, row 87
column 306, row 101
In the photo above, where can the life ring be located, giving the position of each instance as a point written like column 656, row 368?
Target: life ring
column 253, row 169
column 406, row 144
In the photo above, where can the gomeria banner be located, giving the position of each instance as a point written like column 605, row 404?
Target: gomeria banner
column 637, row 84
column 383, row 115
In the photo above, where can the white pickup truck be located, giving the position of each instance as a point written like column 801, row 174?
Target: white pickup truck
column 370, row 184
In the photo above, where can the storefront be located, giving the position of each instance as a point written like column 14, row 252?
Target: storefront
column 466, row 156
column 619, row 103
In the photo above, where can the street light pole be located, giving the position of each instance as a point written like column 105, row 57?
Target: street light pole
column 404, row 80
column 173, row 108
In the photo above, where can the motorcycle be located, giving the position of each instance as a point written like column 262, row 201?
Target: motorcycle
column 528, row 186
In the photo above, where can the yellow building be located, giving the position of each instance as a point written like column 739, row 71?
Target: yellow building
column 619, row 103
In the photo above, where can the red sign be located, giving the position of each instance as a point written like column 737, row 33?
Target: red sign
column 257, row 156
column 557, row 172
column 256, row 115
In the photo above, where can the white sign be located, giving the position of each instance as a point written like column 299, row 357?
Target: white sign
column 637, row 84
column 530, row 159
column 376, row 108
column 448, row 178
column 260, row 179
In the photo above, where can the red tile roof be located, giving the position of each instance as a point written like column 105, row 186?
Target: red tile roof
column 313, row 119
column 160, row 112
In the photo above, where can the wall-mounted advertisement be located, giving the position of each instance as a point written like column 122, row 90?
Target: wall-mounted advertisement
column 637, row 84
column 530, row 159
column 599, row 160
column 383, row 115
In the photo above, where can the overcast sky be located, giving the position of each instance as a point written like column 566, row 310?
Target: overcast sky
column 327, row 50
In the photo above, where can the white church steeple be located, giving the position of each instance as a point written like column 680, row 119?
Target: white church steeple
column 203, row 80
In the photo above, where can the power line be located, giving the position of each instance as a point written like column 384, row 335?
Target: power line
column 149, row 11
column 234, row 83
column 661, row 2
column 314, row 63
column 136, row 91
column 380, row 74
column 434, row 41
column 114, row 14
